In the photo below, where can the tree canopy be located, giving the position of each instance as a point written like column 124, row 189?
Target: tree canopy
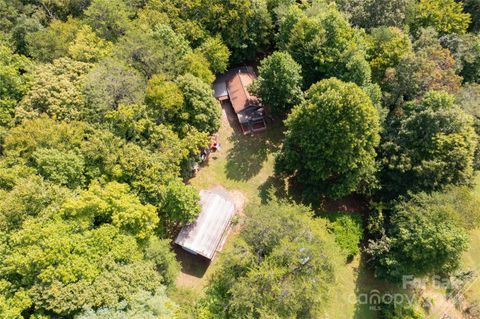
column 331, row 139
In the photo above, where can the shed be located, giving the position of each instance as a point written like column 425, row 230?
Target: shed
column 205, row 235
column 250, row 112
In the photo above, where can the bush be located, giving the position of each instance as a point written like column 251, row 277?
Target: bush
column 348, row 232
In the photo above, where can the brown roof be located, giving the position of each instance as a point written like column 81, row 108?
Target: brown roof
column 237, row 90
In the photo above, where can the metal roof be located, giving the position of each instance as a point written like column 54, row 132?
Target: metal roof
column 205, row 235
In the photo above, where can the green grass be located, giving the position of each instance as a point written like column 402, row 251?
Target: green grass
column 245, row 164
column 471, row 259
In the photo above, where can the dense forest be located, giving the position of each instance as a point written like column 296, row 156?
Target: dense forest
column 106, row 104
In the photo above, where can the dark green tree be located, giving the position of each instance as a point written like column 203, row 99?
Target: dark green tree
column 279, row 83
column 331, row 139
column 432, row 145
column 425, row 235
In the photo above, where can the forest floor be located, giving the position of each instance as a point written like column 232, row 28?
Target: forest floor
column 244, row 166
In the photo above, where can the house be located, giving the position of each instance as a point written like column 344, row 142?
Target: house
column 233, row 87
column 206, row 235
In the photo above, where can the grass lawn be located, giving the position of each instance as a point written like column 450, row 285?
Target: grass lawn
column 245, row 164
column 471, row 259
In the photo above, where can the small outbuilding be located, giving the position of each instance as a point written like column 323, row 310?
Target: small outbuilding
column 233, row 86
column 206, row 235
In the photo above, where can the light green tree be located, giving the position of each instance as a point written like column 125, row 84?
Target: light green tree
column 446, row 16
column 88, row 47
column 283, row 266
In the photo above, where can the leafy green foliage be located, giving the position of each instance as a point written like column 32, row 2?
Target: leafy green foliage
column 388, row 47
column 283, row 266
column 200, row 109
column 153, row 51
column 109, row 18
column 468, row 98
column 143, row 304
column 108, row 85
column 348, row 232
column 112, row 204
column 88, row 47
column 331, row 139
column 14, row 82
column 430, row 68
column 64, row 270
column 216, row 52
column 56, row 90
column 429, row 147
column 279, row 82
column 446, row 16
column 52, row 42
column 324, row 44
column 376, row 13
column 425, row 235
column 473, row 7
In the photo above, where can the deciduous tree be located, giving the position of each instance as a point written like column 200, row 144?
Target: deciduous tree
column 331, row 139
column 279, row 82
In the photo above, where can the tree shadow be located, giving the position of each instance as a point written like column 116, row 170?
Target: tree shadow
column 273, row 187
column 248, row 153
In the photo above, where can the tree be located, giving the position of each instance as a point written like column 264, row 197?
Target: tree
column 429, row 147
column 466, row 50
column 331, row 139
column 88, row 47
column 109, row 18
column 430, row 68
column 14, row 82
column 56, row 90
column 282, row 266
column 446, row 16
column 324, row 44
column 52, row 42
column 473, row 7
column 425, row 235
column 279, row 82
column 63, row 270
column 388, row 47
column 153, row 51
column 200, row 109
column 112, row 204
column 251, row 34
column 196, row 64
column 109, row 84
column 164, row 98
column 216, row 52
column 376, row 13
column 181, row 204
column 65, row 168
column 30, row 197
column 468, row 98
column 142, row 305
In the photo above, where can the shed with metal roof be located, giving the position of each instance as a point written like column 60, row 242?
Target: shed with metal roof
column 205, row 235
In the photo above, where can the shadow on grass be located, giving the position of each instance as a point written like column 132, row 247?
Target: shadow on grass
column 248, row 153
column 192, row 265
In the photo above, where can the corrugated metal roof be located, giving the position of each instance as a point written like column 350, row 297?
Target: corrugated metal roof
column 205, row 234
